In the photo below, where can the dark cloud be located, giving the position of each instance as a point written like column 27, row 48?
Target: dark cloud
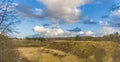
column 105, row 16
column 27, row 12
column 75, row 29
column 46, row 24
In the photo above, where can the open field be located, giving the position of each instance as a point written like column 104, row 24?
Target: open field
column 65, row 51
column 59, row 30
column 58, row 51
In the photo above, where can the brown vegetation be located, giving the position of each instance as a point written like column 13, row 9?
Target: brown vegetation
column 8, row 51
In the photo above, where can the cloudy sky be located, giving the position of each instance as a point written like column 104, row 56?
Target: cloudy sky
column 64, row 18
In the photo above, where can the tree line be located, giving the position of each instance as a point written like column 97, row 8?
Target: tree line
column 111, row 37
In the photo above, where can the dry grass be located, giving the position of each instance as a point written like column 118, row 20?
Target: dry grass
column 8, row 51
column 59, row 51
column 89, row 51
column 39, row 55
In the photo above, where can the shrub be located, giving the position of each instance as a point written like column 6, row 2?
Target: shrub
column 8, row 52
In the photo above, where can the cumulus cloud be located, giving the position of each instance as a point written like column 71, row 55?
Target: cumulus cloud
column 59, row 11
column 64, row 10
column 81, row 32
column 58, row 32
column 49, row 32
column 109, row 30
column 113, row 25
column 90, row 33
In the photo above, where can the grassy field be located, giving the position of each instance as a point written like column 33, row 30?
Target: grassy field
column 40, row 54
column 76, row 51
column 90, row 51
column 58, row 51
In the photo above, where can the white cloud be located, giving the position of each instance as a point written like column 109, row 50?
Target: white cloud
column 113, row 25
column 72, row 34
column 115, row 18
column 109, row 30
column 15, row 4
column 90, row 33
column 100, row 22
column 58, row 32
column 39, row 11
column 115, row 13
column 49, row 32
column 64, row 10
column 81, row 32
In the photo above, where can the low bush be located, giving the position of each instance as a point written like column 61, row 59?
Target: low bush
column 8, row 52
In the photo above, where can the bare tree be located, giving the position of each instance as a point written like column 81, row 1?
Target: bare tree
column 8, row 16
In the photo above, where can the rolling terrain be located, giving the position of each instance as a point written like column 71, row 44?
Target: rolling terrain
column 58, row 51
column 65, row 51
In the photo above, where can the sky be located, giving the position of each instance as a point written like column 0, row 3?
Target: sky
column 66, row 18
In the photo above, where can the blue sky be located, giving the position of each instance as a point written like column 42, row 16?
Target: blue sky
column 87, row 17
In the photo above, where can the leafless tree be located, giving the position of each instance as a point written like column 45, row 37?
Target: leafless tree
column 8, row 17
